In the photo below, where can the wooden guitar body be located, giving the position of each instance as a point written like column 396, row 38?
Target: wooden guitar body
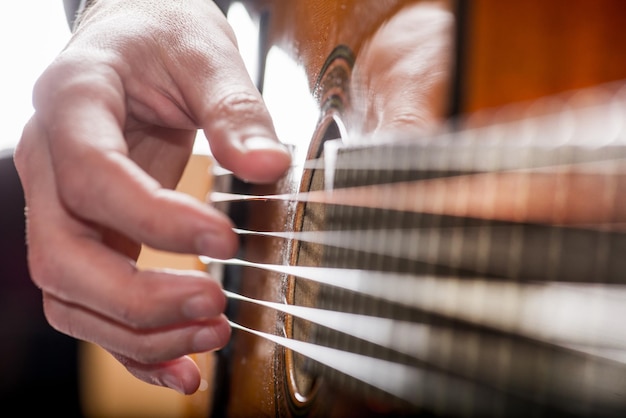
column 376, row 70
column 261, row 378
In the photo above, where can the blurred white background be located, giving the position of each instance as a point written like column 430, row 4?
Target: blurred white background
column 31, row 34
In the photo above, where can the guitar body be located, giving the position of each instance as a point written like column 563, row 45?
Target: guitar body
column 374, row 68
column 258, row 377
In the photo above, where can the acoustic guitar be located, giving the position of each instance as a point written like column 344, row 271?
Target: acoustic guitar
column 449, row 240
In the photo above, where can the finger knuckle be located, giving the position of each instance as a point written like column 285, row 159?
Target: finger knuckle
column 57, row 320
column 239, row 105
column 74, row 189
column 45, row 269
column 76, row 73
column 74, row 192
column 20, row 157
column 54, row 77
column 132, row 314
column 23, row 154
column 147, row 351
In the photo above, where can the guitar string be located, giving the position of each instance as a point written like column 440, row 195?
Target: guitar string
column 350, row 363
column 392, row 334
column 418, row 339
column 421, row 386
column 460, row 246
column 459, row 161
column 340, row 238
column 407, row 381
column 569, row 124
column 544, row 312
column 609, row 160
column 385, row 332
column 408, row 239
column 462, row 196
column 394, row 378
column 417, row 386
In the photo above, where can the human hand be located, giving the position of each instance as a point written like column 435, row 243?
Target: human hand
column 115, row 119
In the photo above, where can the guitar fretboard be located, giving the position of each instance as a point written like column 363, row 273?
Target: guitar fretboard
column 516, row 228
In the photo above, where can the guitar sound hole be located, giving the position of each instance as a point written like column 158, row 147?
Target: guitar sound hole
column 308, row 380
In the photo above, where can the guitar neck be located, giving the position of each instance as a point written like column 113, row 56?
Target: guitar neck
column 501, row 232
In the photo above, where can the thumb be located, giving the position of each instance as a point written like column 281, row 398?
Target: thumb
column 228, row 106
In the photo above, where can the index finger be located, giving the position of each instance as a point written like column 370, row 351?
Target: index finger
column 97, row 180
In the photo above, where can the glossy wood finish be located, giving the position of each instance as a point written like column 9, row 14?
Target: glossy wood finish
column 523, row 50
column 511, row 51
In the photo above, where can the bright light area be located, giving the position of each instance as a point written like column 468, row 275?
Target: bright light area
column 31, row 35
column 33, row 32
column 247, row 32
column 288, row 98
column 285, row 85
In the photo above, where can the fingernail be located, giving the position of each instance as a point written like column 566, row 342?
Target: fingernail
column 173, row 382
column 260, row 143
column 208, row 244
column 206, row 340
column 201, row 306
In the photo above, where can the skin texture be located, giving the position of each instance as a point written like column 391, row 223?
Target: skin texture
column 115, row 119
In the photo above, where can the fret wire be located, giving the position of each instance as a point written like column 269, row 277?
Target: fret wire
column 377, row 262
column 343, row 259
